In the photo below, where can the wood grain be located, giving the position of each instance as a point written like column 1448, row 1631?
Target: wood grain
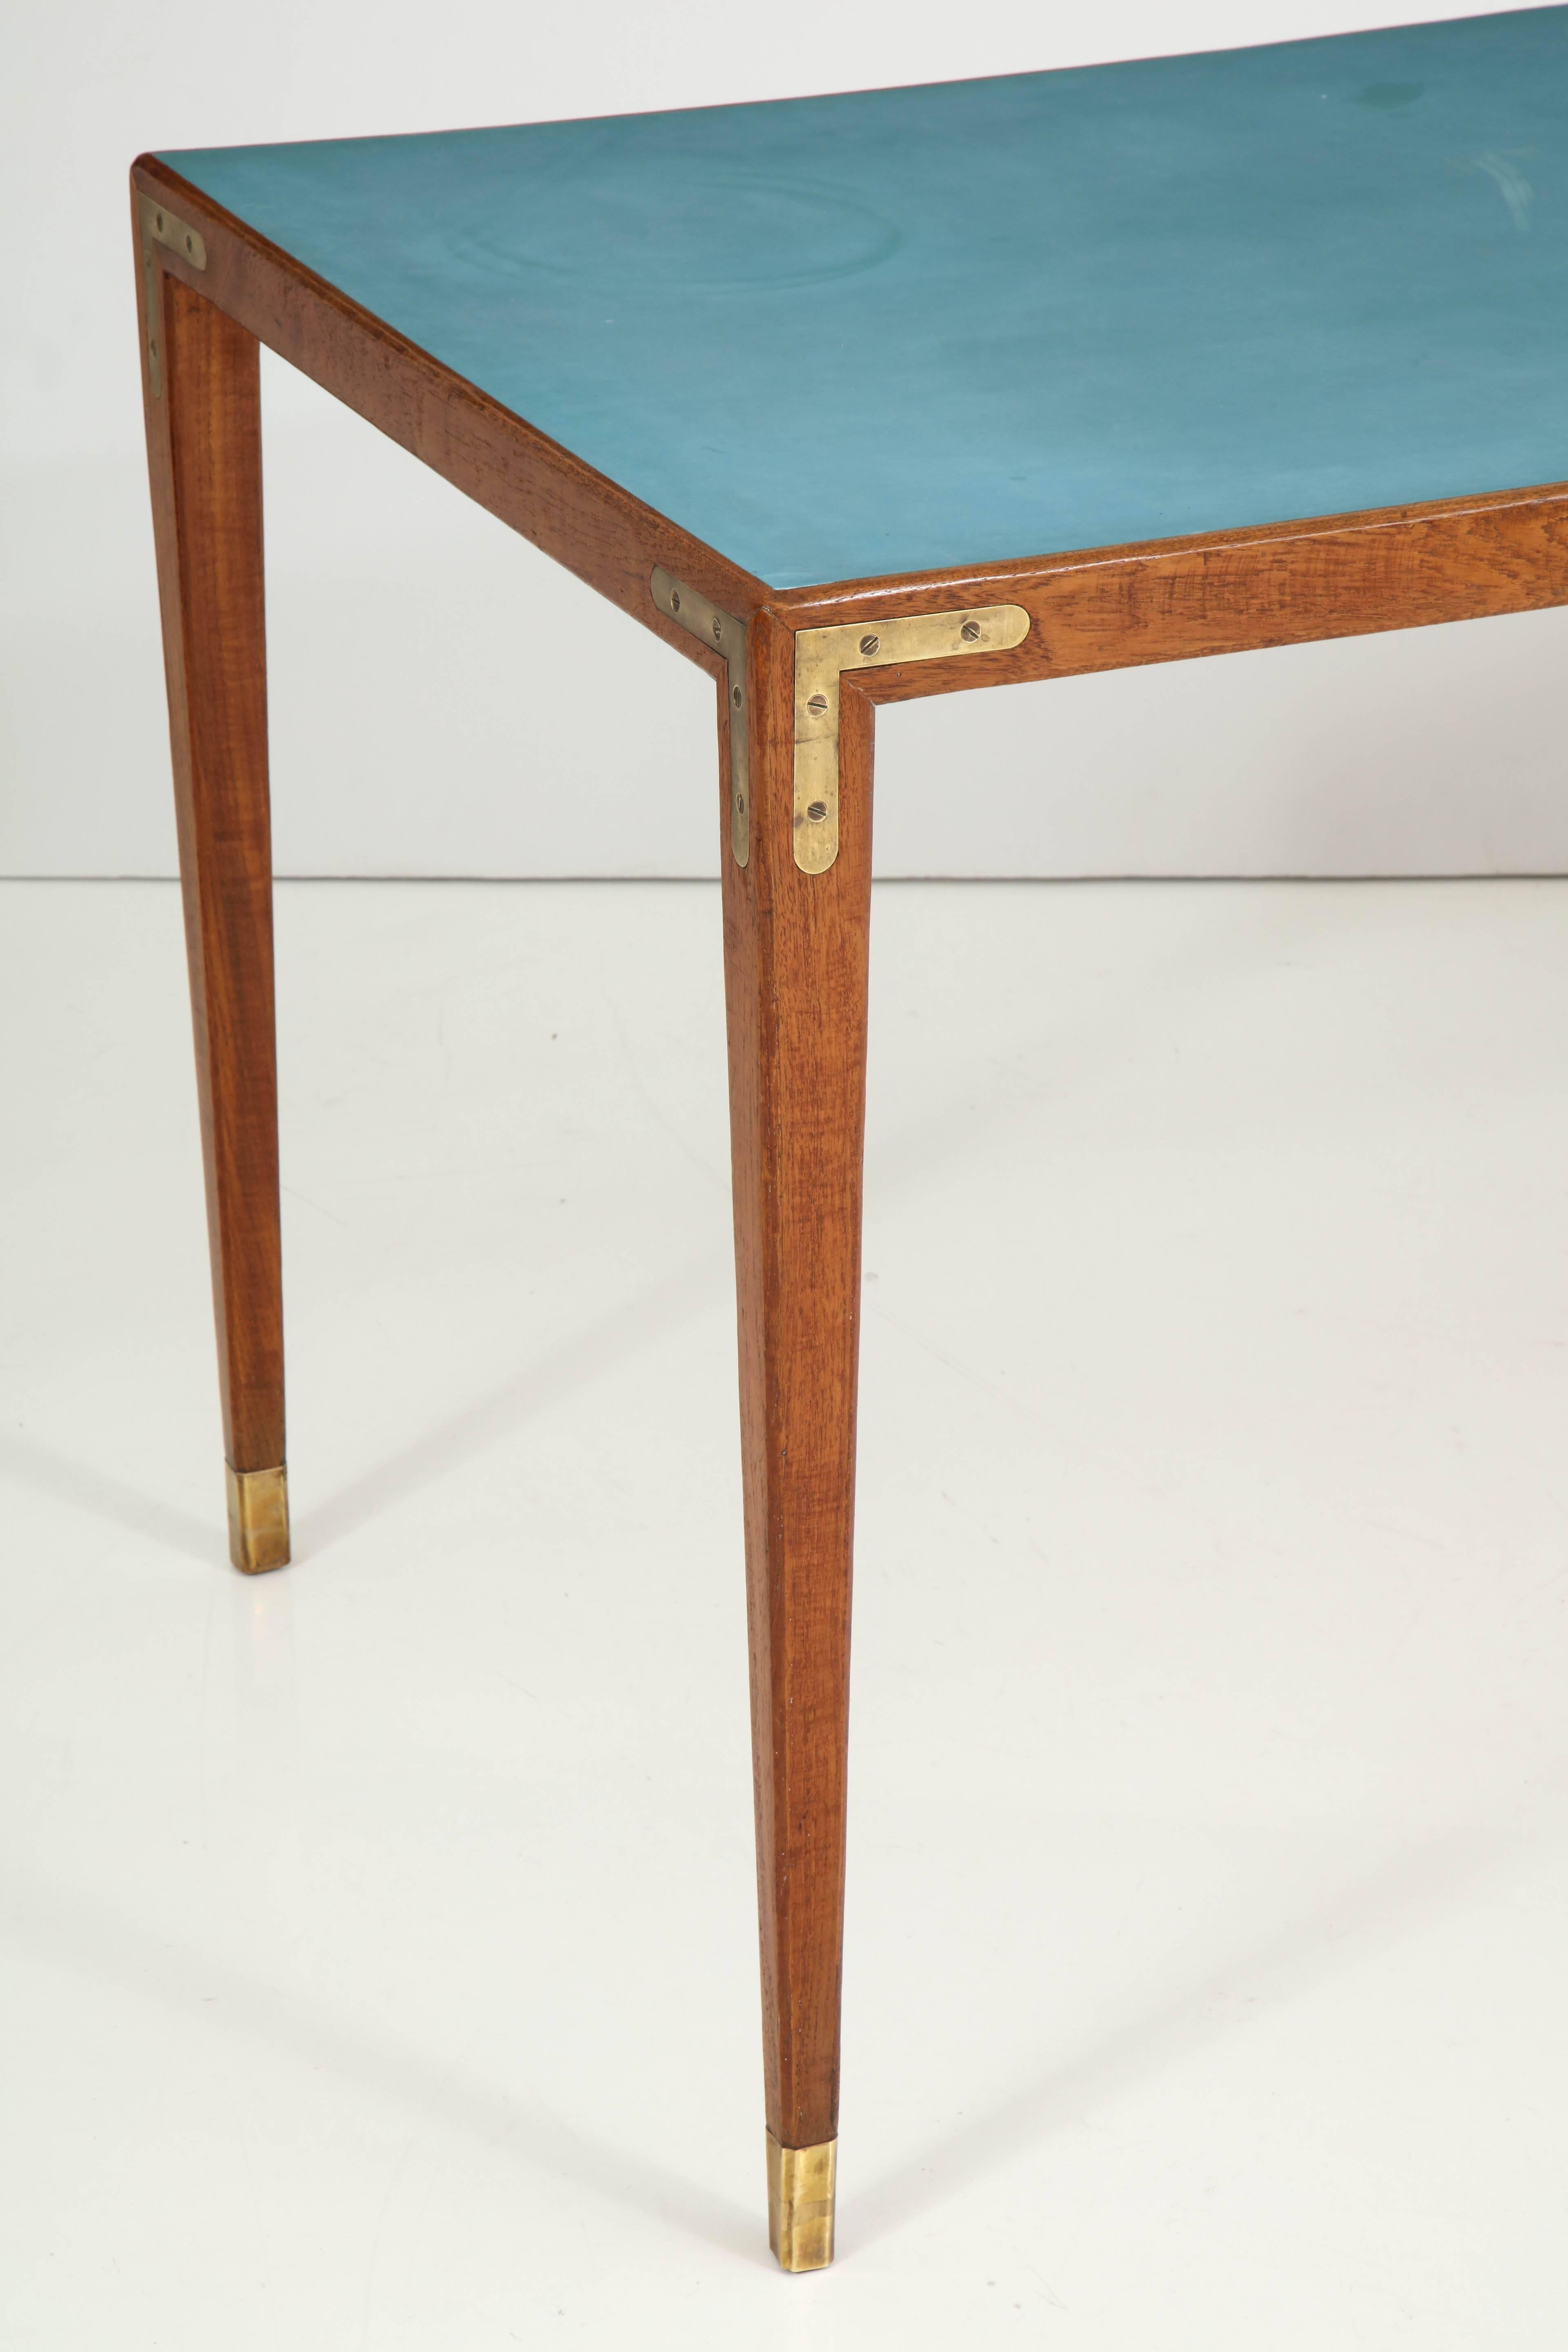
column 204, row 453
column 795, row 961
column 1291, row 583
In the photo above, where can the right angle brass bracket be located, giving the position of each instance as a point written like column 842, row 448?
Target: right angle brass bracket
column 160, row 227
column 821, row 657
column 694, row 614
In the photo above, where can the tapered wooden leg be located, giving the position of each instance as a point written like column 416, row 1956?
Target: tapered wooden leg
column 795, row 965
column 203, row 448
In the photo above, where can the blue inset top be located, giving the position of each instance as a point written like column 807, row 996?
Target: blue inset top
column 885, row 332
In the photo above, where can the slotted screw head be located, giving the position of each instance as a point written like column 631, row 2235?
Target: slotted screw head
column 970, row 632
column 869, row 643
column 819, row 703
column 735, row 696
column 675, row 600
column 817, row 810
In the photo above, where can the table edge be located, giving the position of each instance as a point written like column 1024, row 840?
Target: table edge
column 1240, row 589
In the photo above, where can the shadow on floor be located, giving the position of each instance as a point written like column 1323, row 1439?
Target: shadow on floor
column 1376, row 1909
column 65, row 1928
column 105, row 1498
column 583, row 1356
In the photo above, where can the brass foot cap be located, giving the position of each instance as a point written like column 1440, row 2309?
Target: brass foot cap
column 257, row 1518
column 800, row 2204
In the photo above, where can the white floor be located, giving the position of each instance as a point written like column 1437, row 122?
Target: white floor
column 378, row 1937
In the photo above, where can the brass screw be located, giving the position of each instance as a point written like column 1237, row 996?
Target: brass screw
column 970, row 632
column 739, row 803
column 717, row 631
column 735, row 696
column 869, row 643
column 819, row 703
column 675, row 600
column 817, row 810
column 159, row 218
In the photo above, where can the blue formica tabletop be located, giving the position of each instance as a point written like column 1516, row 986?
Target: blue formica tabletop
column 907, row 329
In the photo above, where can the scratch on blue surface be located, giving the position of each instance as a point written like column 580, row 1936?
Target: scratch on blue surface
column 1516, row 192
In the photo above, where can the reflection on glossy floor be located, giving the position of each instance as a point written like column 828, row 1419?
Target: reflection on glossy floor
column 379, row 1958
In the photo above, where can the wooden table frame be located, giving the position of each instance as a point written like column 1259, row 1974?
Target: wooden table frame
column 795, row 944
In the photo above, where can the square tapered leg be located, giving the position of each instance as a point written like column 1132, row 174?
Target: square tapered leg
column 795, row 958
column 202, row 392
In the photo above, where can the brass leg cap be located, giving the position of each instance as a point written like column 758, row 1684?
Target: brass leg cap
column 800, row 2204
column 257, row 1518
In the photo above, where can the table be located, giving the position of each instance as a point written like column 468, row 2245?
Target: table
column 850, row 400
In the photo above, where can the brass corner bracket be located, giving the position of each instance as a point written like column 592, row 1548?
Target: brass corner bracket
column 159, row 227
column 801, row 2187
column 694, row 614
column 821, row 657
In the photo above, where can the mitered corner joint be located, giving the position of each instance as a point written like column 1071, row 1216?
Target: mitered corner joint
column 692, row 612
column 821, row 657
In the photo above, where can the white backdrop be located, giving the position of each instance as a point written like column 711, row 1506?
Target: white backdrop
column 444, row 701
